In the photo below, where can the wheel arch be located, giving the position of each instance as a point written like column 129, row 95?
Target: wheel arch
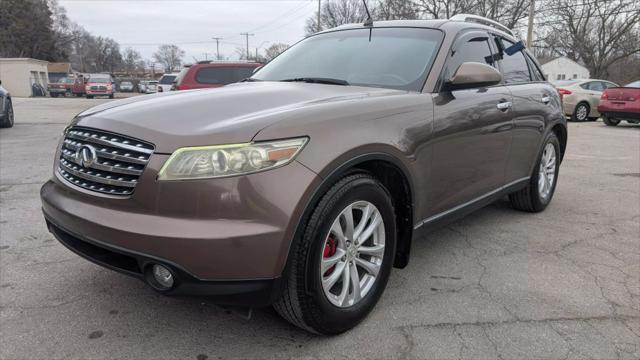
column 561, row 132
column 384, row 167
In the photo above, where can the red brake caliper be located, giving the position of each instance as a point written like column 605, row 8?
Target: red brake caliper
column 329, row 250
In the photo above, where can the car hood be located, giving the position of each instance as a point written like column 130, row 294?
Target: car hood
column 231, row 114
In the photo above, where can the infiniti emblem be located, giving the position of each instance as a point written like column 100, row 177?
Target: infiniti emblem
column 86, row 155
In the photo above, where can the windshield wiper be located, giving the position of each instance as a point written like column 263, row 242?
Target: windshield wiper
column 318, row 80
column 249, row 79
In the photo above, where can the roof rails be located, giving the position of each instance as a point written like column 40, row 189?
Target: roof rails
column 482, row 20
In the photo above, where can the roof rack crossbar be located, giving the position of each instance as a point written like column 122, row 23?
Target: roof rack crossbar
column 481, row 20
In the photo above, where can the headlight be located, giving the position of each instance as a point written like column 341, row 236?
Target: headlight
column 229, row 160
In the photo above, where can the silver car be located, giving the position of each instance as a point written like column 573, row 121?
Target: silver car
column 580, row 97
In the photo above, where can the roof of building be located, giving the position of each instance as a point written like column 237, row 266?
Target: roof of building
column 23, row 60
column 563, row 57
column 61, row 67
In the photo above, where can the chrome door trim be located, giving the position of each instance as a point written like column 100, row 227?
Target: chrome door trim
column 470, row 202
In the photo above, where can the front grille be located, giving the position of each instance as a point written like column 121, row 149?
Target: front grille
column 99, row 88
column 103, row 162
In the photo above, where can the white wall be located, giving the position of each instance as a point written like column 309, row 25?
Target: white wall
column 17, row 75
column 564, row 69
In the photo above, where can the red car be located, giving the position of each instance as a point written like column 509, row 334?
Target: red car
column 621, row 103
column 212, row 74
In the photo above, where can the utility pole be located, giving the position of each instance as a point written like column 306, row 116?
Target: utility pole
column 247, row 36
column 217, row 39
column 206, row 56
column 530, row 28
column 319, row 27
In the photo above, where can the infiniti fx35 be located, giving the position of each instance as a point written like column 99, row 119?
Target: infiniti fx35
column 302, row 186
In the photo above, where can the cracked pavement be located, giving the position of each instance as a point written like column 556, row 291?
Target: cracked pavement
column 498, row 284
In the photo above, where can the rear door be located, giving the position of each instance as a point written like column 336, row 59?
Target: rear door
column 534, row 103
column 472, row 132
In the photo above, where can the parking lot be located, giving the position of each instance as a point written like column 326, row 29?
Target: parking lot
column 499, row 283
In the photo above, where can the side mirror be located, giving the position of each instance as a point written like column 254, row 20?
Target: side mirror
column 473, row 75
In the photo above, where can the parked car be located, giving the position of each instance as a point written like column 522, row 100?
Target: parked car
column 302, row 186
column 60, row 88
column 212, row 74
column 166, row 82
column 99, row 85
column 580, row 98
column 147, row 86
column 78, row 86
column 621, row 103
column 6, row 108
column 126, row 86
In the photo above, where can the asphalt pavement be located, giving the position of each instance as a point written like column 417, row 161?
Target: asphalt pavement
column 561, row 284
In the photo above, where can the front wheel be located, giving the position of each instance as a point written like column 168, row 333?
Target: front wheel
column 339, row 267
column 538, row 193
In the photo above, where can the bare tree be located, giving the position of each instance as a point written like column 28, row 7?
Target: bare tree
column 274, row 50
column 507, row 12
column 598, row 33
column 338, row 12
column 396, row 10
column 170, row 56
column 131, row 59
column 242, row 53
column 444, row 9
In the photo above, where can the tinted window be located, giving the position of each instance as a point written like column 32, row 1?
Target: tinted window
column 167, row 79
column 223, row 75
column 514, row 67
column 536, row 74
column 473, row 50
column 593, row 85
column 396, row 58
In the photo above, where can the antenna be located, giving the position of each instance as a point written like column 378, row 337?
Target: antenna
column 369, row 22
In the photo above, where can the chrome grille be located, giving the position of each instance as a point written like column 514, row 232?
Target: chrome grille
column 114, row 163
column 100, row 88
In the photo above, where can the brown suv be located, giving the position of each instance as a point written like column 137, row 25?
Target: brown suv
column 302, row 186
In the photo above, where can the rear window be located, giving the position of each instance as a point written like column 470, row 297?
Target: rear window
column 635, row 84
column 167, row 79
column 223, row 75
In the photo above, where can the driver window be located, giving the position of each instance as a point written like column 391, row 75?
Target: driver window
column 471, row 50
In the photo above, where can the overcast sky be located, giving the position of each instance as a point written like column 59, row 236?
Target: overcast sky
column 145, row 24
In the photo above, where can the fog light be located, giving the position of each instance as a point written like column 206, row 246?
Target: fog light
column 162, row 276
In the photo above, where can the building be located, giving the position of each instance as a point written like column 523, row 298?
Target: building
column 19, row 74
column 58, row 71
column 563, row 68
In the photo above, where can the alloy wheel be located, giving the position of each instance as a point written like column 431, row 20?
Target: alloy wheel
column 352, row 254
column 582, row 112
column 547, row 171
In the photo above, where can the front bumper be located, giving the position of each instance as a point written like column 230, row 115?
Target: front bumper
column 242, row 293
column 221, row 230
column 57, row 91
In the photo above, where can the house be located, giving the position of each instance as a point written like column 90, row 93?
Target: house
column 18, row 75
column 58, row 71
column 563, row 68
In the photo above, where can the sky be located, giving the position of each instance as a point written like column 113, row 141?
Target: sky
column 191, row 24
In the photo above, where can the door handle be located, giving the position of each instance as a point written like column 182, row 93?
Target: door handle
column 504, row 106
column 546, row 99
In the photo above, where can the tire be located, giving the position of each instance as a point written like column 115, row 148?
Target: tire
column 579, row 114
column 111, row 96
column 593, row 118
column 530, row 198
column 304, row 301
column 8, row 119
column 610, row 121
column 89, row 96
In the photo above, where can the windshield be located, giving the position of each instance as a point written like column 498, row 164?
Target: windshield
column 395, row 58
column 127, row 83
column 100, row 80
column 167, row 79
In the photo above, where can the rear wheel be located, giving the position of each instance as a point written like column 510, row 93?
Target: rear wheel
column 610, row 121
column 111, row 96
column 89, row 96
column 8, row 119
column 581, row 112
column 538, row 193
column 340, row 266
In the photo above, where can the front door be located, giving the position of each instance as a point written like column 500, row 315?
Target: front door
column 472, row 133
